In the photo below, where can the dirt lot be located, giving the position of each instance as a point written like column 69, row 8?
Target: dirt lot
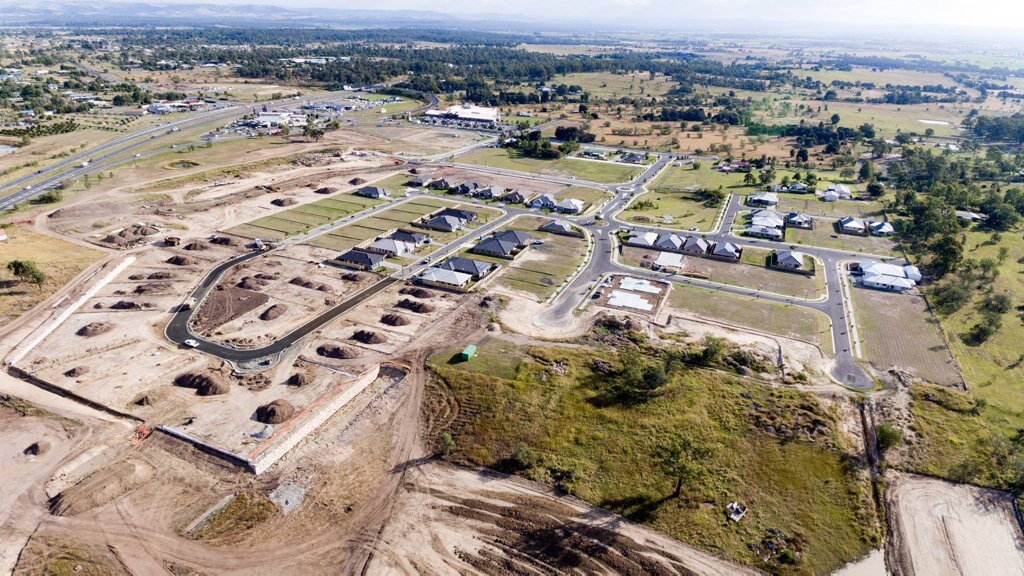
column 897, row 331
column 940, row 529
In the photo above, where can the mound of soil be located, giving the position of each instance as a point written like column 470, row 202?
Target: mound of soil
column 351, row 277
column 251, row 283
column 181, row 261
column 137, row 277
column 298, row 379
column 274, row 312
column 102, row 487
column 323, row 288
column 37, row 448
column 77, row 371
column 413, row 306
column 224, row 241
column 131, row 234
column 325, row 190
column 143, row 401
column 197, row 246
column 417, row 293
column 307, row 283
column 95, row 329
column 335, row 351
column 282, row 202
column 160, row 276
column 126, row 305
column 368, row 337
column 204, row 384
column 275, row 412
column 395, row 320
column 357, row 181
column 263, row 276
column 152, row 288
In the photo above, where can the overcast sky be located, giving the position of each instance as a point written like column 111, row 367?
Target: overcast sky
column 913, row 13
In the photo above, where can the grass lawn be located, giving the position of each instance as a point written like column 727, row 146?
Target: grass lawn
column 687, row 178
column 811, row 205
column 825, row 235
column 680, row 210
column 589, row 196
column 603, row 172
column 549, row 406
column 785, row 320
column 59, row 260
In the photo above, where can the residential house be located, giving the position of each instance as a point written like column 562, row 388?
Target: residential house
column 420, row 181
column 763, row 232
column 853, row 225
column 881, row 228
column 441, row 278
column 830, row 196
column 569, row 206
column 726, row 250
column 514, row 197
column 890, row 277
column 390, row 247
column 842, row 190
column 633, row 158
column 440, row 184
column 798, row 187
column 767, row 219
column 765, row 199
column 644, row 239
column 467, row 215
column 669, row 242
column 413, row 238
column 970, row 216
column 520, row 239
column 790, row 259
column 465, row 189
column 798, row 220
column 475, row 268
column 562, row 227
column 592, row 154
column 696, row 245
column 360, row 259
column 489, row 193
column 542, row 202
column 495, row 247
column 444, row 223
column 372, row 192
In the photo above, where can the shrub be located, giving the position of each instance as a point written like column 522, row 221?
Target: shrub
column 888, row 436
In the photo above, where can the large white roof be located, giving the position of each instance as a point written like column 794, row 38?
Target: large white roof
column 468, row 112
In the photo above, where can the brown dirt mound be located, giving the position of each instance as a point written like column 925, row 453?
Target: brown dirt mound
column 275, row 412
column 152, row 288
column 323, row 288
column 160, row 276
column 126, row 305
column 325, row 190
column 144, row 401
column 335, row 351
column 224, row 241
column 307, row 283
column 204, row 384
column 251, row 283
column 197, row 246
column 417, row 293
column 357, row 181
column 418, row 307
column 282, row 202
column 181, row 261
column 95, row 329
column 37, row 448
column 395, row 320
column 263, row 276
column 137, row 277
column 102, row 487
column 351, row 277
column 368, row 337
column 298, row 379
column 77, row 371
column 274, row 312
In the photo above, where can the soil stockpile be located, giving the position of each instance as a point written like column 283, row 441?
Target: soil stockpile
column 274, row 312
column 95, row 329
column 204, row 384
column 417, row 293
column 152, row 288
column 351, row 277
column 299, row 379
column 335, row 351
column 251, row 283
column 37, row 448
column 395, row 320
column 197, row 246
column 126, row 305
column 414, row 306
column 275, row 412
column 368, row 337
column 282, row 202
column 224, row 241
column 77, row 371
column 131, row 235
column 325, row 190
column 160, row 276
column 137, row 277
column 357, row 181
column 181, row 261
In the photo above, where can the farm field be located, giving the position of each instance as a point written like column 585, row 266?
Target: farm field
column 825, row 235
column 546, row 406
column 59, row 260
column 602, row 172
column 771, row 317
column 897, row 331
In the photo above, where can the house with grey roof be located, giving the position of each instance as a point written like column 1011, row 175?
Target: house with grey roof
column 421, row 181
column 514, row 197
column 474, row 268
column 520, row 239
column 543, row 202
column 767, row 218
column 440, row 184
column 444, row 223
column 669, row 242
column 789, row 259
column 853, row 225
column 726, row 251
column 643, row 239
column 496, row 248
column 696, row 245
column 763, row 232
column 360, row 259
column 881, row 228
column 570, row 206
column 563, row 227
column 414, row 238
column 798, row 220
column 372, row 192
column 467, row 215
column 765, row 199
column 390, row 247
column 442, row 278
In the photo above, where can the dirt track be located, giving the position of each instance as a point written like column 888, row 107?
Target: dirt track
column 938, row 528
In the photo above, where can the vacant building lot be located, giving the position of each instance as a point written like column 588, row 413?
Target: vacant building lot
column 898, row 331
column 305, row 217
column 59, row 260
column 603, row 172
column 749, row 273
column 945, row 529
column 825, row 235
column 788, row 321
column 682, row 210
column 813, row 206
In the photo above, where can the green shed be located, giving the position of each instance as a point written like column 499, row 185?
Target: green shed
column 468, row 353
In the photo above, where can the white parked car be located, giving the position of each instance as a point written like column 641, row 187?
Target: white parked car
column 192, row 343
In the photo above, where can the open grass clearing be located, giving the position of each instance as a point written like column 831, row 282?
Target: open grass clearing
column 672, row 209
column 611, row 85
column 811, row 205
column 825, row 235
column 608, row 454
column 507, row 159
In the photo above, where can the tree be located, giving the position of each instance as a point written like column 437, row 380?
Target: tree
column 948, row 254
column 888, row 436
column 802, row 155
column 749, row 179
column 835, row 119
column 27, row 271
column 867, row 171
column 875, row 189
column 685, row 459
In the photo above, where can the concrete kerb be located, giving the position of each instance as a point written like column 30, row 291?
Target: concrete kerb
column 854, row 334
